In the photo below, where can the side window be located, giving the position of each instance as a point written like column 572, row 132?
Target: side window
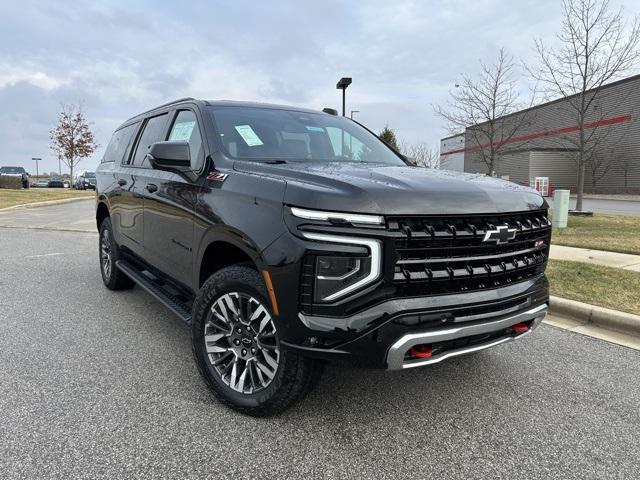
column 153, row 130
column 185, row 129
column 118, row 144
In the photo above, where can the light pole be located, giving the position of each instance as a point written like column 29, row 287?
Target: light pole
column 342, row 84
column 352, row 112
column 36, row 160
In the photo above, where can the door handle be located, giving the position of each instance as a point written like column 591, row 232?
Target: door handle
column 122, row 182
column 151, row 187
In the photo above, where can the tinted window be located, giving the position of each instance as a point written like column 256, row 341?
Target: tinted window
column 274, row 134
column 153, row 130
column 118, row 144
column 185, row 129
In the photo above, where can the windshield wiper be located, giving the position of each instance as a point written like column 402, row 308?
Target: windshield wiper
column 275, row 162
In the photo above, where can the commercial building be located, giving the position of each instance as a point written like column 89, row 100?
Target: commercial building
column 452, row 153
column 543, row 147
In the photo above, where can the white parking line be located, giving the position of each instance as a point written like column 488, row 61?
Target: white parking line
column 44, row 255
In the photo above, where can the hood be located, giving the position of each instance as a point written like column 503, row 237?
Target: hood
column 394, row 190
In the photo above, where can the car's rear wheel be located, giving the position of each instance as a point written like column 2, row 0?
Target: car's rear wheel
column 112, row 276
column 236, row 344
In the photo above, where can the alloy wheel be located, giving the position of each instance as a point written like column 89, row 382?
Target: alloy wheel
column 241, row 342
column 105, row 253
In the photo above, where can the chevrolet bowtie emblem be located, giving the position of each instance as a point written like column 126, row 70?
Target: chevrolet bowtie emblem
column 501, row 234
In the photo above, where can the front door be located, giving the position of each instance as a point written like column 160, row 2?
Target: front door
column 170, row 201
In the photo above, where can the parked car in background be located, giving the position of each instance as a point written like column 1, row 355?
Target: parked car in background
column 16, row 172
column 86, row 181
column 40, row 184
column 55, row 182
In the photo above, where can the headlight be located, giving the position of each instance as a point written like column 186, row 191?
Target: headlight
column 337, row 276
column 334, row 274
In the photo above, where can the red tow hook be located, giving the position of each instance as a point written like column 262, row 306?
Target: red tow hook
column 519, row 328
column 420, row 351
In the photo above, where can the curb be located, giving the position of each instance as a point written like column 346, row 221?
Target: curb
column 46, row 203
column 622, row 198
column 604, row 317
column 50, row 229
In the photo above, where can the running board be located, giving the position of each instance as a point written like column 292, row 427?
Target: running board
column 169, row 300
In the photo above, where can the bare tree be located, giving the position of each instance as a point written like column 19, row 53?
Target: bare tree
column 627, row 167
column 480, row 105
column 596, row 46
column 421, row 154
column 599, row 165
column 71, row 139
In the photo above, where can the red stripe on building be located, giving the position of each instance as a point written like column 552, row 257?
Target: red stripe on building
column 546, row 133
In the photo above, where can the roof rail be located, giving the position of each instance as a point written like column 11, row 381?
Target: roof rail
column 165, row 105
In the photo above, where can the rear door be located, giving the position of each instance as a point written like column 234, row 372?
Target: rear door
column 112, row 181
column 133, row 181
column 170, row 201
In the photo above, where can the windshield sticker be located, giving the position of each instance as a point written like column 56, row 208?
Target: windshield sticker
column 182, row 131
column 248, row 135
column 311, row 128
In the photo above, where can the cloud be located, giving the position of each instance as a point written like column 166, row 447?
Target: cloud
column 120, row 58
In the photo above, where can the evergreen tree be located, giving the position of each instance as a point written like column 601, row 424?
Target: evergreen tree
column 388, row 136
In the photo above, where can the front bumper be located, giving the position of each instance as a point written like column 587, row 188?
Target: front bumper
column 498, row 332
column 381, row 336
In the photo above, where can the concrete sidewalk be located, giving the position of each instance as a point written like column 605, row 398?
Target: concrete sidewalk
column 597, row 257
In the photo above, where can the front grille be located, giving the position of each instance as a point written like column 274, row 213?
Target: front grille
column 438, row 255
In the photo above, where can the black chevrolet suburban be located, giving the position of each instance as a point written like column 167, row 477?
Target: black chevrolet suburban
column 289, row 237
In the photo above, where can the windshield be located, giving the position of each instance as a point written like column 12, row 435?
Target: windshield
column 264, row 134
column 12, row 170
column 89, row 175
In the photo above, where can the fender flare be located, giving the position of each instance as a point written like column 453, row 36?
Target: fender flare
column 232, row 236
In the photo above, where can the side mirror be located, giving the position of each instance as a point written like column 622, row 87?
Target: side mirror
column 171, row 156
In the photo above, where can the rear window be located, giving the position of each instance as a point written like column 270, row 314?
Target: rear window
column 118, row 145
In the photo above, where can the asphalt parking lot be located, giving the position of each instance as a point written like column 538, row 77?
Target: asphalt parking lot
column 101, row 384
column 76, row 216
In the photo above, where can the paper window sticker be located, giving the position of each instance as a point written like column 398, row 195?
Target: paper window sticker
column 182, row 131
column 312, row 128
column 248, row 135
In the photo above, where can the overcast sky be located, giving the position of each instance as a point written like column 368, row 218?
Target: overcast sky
column 120, row 58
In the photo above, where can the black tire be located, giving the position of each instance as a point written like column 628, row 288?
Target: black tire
column 113, row 277
column 294, row 376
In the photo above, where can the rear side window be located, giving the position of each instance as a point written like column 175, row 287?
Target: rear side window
column 118, row 144
column 185, row 129
column 153, row 130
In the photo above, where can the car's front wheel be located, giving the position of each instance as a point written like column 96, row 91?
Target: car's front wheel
column 236, row 344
